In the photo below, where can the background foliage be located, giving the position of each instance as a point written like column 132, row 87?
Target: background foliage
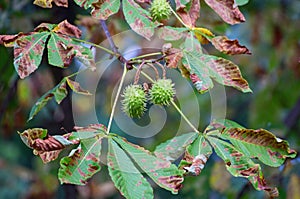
column 271, row 32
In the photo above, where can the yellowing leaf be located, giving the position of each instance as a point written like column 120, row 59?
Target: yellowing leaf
column 202, row 34
column 48, row 3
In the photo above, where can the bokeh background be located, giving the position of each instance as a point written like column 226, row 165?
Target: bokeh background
column 271, row 32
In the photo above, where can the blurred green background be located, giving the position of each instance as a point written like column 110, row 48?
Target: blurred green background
column 271, row 32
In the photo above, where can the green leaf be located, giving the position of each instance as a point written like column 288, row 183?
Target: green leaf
column 100, row 9
column 223, row 71
column 239, row 165
column 162, row 172
column 241, row 2
column 125, row 175
column 91, row 131
column 138, row 19
column 28, row 53
column 170, row 33
column 196, row 156
column 261, row 144
column 82, row 163
column 103, row 9
column 83, row 54
column 181, row 3
column 191, row 61
column 59, row 92
column 58, row 50
column 173, row 148
column 32, row 134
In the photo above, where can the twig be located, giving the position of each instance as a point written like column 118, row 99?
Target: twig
column 113, row 46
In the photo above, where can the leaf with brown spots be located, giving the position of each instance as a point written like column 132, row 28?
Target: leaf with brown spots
column 100, row 9
column 227, row 11
column 260, row 144
column 59, row 92
column 48, row 3
column 169, row 33
column 138, row 19
column 46, row 146
column 126, row 177
column 65, row 28
column 82, row 163
column 9, row 40
column 162, row 172
column 75, row 86
column 91, row 131
column 196, row 156
column 28, row 52
column 239, row 165
column 189, row 14
column 172, row 56
column 174, row 148
column 230, row 47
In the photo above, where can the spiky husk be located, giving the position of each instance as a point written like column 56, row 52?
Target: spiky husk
column 134, row 101
column 162, row 92
column 160, row 9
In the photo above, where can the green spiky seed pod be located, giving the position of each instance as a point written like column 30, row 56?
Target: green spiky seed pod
column 134, row 101
column 162, row 92
column 160, row 9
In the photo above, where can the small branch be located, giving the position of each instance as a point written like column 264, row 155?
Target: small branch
column 113, row 46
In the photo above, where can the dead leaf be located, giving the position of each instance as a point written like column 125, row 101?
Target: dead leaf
column 230, row 47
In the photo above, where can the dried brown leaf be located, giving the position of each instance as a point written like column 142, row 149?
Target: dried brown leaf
column 230, row 47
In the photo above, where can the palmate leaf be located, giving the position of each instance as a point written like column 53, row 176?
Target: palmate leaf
column 100, row 9
column 162, row 172
column 196, row 156
column 260, row 144
column 126, row 177
column 173, row 148
column 82, row 163
column 28, row 53
column 138, row 19
column 239, row 165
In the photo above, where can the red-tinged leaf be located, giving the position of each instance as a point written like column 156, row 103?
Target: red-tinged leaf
column 48, row 3
column 260, row 143
column 68, row 29
column 103, row 9
column 190, row 16
column 86, row 4
column 44, row 27
column 225, row 72
column 239, row 165
column 162, row 172
column 230, row 47
column 59, row 92
column 28, row 53
column 226, row 10
column 196, row 156
column 138, row 19
column 75, row 86
column 9, row 40
column 174, row 148
column 169, row 33
column 82, row 163
column 172, row 55
column 126, row 177
column 181, row 3
column 91, row 131
column 46, row 146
